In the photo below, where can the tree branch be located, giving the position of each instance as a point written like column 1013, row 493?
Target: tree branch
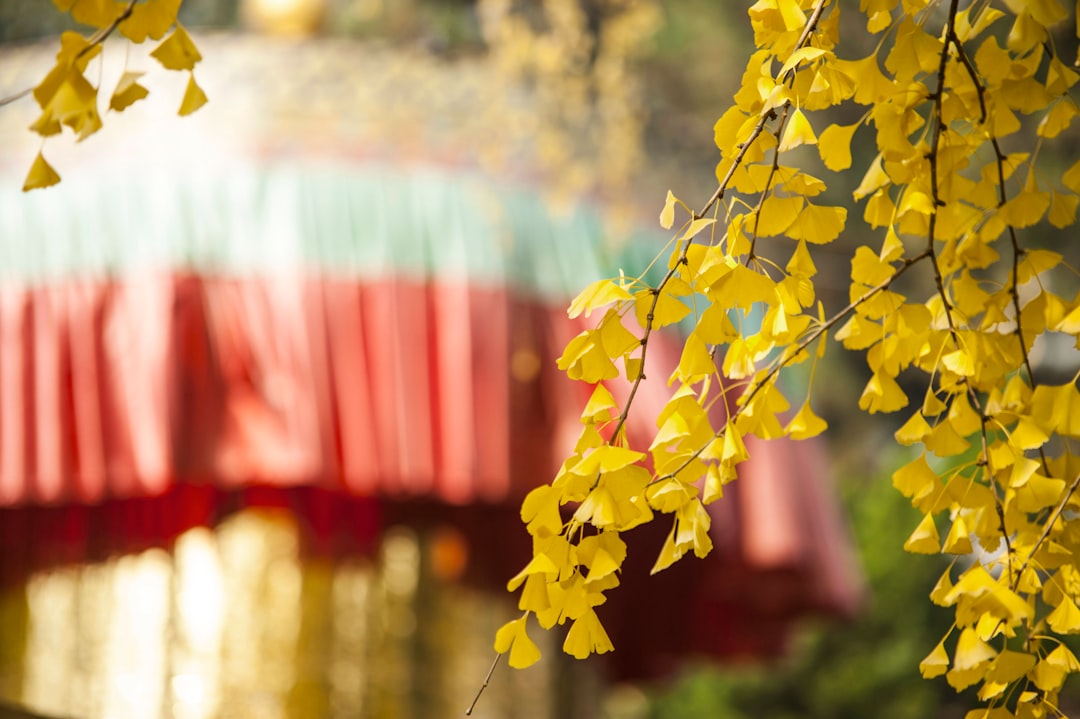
column 96, row 39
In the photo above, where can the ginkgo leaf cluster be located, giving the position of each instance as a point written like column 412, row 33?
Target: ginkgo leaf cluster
column 67, row 95
column 960, row 103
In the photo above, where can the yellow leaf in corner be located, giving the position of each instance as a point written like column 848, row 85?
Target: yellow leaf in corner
column 150, row 19
column 177, row 51
column 941, row 590
column 925, row 538
column 597, row 294
column 960, row 362
column 1062, row 209
column 797, row 132
column 818, row 224
column 1010, row 666
column 586, row 636
column 696, row 362
column 806, row 424
column 597, row 409
column 1065, row 619
column 936, row 662
column 539, row 564
column 1071, row 178
column 801, row 263
column 971, row 650
column 540, row 512
column 1058, row 119
column 667, row 215
column 803, row 54
column 512, row 636
column 194, row 98
column 695, row 227
column 882, row 394
column 41, row 175
column 834, row 146
column 914, row 430
column 98, row 13
column 1062, row 658
column 1025, row 209
column 958, row 540
column 127, row 92
column 669, row 554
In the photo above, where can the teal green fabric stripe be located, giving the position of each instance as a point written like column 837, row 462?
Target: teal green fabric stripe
column 363, row 221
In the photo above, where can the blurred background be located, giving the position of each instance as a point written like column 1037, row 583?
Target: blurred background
column 275, row 377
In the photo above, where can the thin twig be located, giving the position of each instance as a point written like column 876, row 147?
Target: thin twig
column 773, row 169
column 953, row 40
column 487, row 680
column 17, row 96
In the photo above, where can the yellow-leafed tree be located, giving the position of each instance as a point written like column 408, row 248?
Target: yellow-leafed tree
column 964, row 103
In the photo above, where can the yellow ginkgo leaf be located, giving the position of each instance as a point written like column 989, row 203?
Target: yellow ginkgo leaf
column 882, row 394
column 834, row 145
column 540, row 511
column 1058, row 118
column 1009, row 666
column 696, row 226
column 925, row 538
column 805, row 424
column 935, row 663
column 177, row 51
column 797, row 132
column 599, row 405
column 669, row 554
column 151, row 18
column 534, row 595
column 696, row 362
column 98, row 13
column 1071, row 178
column 194, row 97
column 667, row 215
column 1062, row 209
column 818, row 224
column 912, row 431
column 1065, row 618
column 801, row 263
column 941, row 589
column 586, row 636
column 1038, row 493
column 1062, row 658
column 539, row 564
column 777, row 214
column 1025, row 209
column 803, row 54
column 669, row 309
column 596, row 295
column 41, row 175
column 971, row 651
column 945, row 441
column 127, row 92
column 957, row 541
column 513, row 637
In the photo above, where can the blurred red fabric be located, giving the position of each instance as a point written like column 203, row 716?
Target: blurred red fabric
column 133, row 410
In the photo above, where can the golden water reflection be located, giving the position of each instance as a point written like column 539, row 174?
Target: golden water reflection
column 233, row 623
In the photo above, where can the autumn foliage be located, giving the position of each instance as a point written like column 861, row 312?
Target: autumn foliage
column 963, row 102
column 66, row 96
